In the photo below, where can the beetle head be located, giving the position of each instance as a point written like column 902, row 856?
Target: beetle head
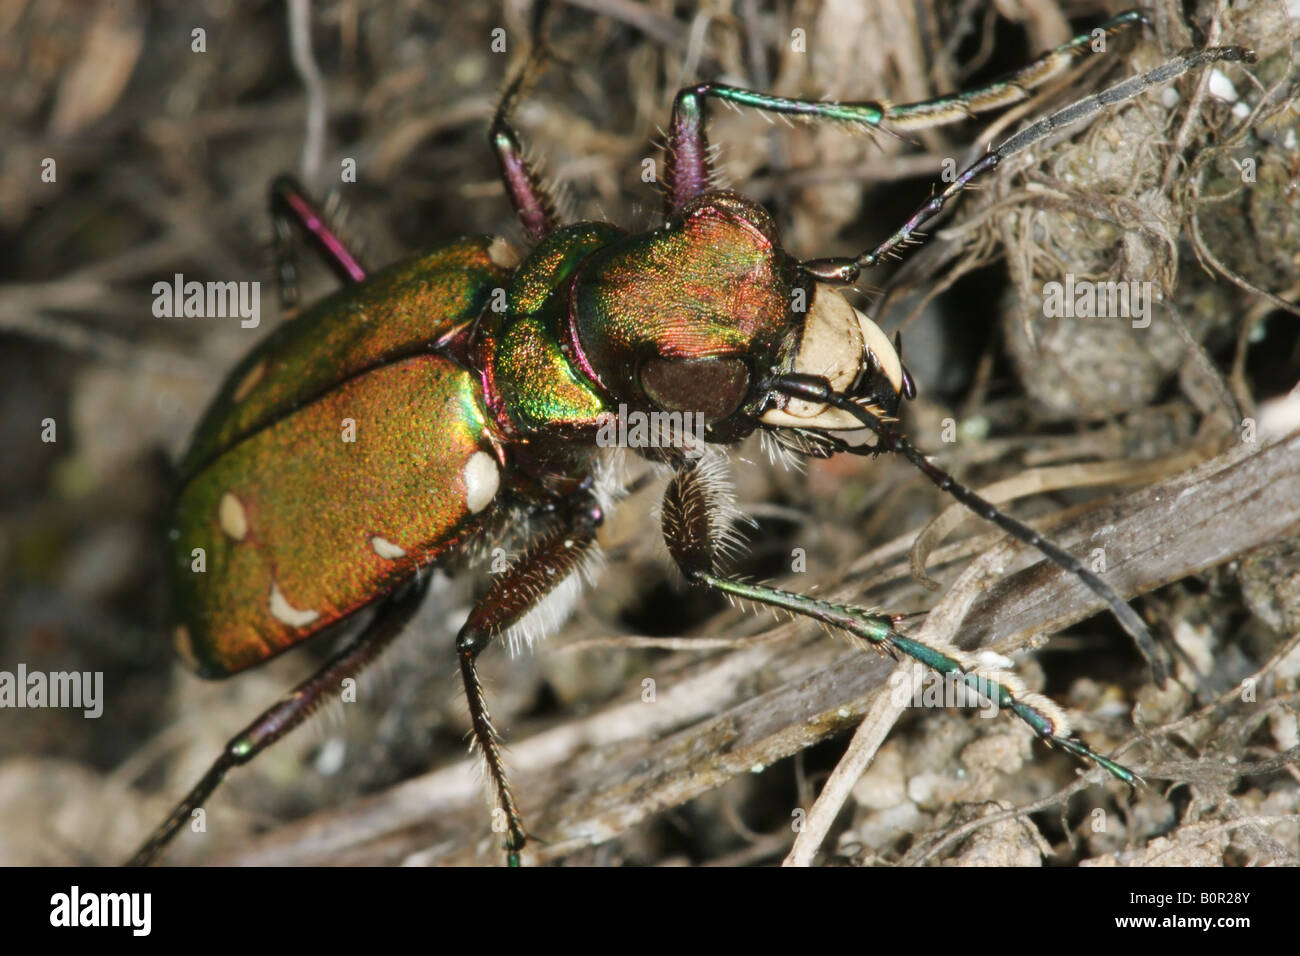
column 687, row 317
column 698, row 315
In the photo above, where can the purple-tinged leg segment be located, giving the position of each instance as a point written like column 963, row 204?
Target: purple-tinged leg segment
column 291, row 710
column 527, row 195
column 530, row 199
column 290, row 201
column 686, row 155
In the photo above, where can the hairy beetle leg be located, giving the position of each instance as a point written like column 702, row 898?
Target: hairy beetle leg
column 687, row 507
column 529, row 197
column 817, row 389
column 687, row 172
column 513, row 593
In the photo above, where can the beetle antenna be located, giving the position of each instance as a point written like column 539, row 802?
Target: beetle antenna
column 812, row 388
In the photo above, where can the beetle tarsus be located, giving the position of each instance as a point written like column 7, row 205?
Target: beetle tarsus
column 1037, row 132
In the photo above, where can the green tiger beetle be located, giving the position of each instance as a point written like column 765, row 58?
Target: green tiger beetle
column 475, row 418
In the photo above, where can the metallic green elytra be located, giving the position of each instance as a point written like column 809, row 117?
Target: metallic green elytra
column 301, row 522
column 396, row 311
column 302, row 527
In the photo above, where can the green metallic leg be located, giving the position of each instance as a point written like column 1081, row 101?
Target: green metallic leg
column 846, row 271
column 688, row 174
column 389, row 621
column 813, row 388
column 512, row 594
column 687, row 507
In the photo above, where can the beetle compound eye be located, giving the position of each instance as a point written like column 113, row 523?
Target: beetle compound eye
column 713, row 387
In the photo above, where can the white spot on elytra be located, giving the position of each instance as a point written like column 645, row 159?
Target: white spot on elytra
column 386, row 549
column 286, row 613
column 231, row 517
column 481, row 481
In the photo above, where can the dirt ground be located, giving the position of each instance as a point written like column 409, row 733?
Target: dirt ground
column 661, row 726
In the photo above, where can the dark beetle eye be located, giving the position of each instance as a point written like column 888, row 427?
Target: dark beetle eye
column 714, row 387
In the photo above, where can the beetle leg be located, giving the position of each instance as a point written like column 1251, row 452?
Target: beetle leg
column 512, row 594
column 847, row 270
column 687, row 173
column 529, row 197
column 812, row 388
column 687, row 506
column 290, row 207
column 291, row 710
